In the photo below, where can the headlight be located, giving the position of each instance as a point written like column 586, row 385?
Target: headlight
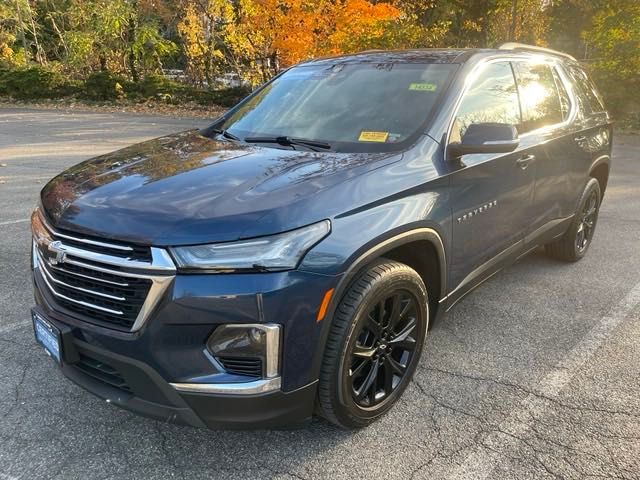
column 275, row 252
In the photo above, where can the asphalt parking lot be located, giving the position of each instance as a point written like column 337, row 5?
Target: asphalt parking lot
column 534, row 375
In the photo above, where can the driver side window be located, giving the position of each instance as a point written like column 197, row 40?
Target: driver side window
column 491, row 98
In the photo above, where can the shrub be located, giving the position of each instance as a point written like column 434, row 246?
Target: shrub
column 154, row 85
column 104, row 86
column 3, row 85
column 227, row 97
column 33, row 83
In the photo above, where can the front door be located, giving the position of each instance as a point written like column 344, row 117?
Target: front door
column 492, row 194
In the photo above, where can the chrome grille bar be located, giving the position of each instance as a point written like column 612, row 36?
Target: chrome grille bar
column 44, row 265
column 112, row 246
column 88, row 277
column 79, row 302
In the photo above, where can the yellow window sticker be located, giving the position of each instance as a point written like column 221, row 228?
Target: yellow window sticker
column 423, row 87
column 373, row 136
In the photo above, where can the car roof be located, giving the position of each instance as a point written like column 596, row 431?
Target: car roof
column 425, row 55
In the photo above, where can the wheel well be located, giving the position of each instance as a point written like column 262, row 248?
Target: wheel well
column 601, row 173
column 422, row 256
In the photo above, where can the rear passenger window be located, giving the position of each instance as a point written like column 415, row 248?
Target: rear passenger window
column 586, row 90
column 538, row 96
column 491, row 98
column 565, row 101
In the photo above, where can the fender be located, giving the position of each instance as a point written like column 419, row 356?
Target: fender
column 602, row 159
column 418, row 234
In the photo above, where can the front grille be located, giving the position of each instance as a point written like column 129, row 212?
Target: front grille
column 102, row 372
column 103, row 283
column 242, row 366
column 117, row 249
column 116, row 303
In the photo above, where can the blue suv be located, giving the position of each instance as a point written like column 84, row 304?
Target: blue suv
column 289, row 259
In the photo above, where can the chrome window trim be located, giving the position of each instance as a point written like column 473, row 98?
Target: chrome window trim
column 242, row 388
column 161, row 270
column 473, row 74
column 498, row 142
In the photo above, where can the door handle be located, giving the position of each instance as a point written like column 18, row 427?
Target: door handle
column 523, row 162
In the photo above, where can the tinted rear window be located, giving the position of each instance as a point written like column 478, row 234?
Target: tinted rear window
column 538, row 96
column 586, row 90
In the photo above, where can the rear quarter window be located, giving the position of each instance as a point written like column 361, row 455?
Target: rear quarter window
column 586, row 90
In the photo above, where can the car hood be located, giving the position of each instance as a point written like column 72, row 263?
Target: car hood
column 187, row 189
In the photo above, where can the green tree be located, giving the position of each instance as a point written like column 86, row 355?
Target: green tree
column 614, row 39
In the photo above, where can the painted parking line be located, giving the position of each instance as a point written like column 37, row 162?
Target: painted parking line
column 11, row 222
column 480, row 463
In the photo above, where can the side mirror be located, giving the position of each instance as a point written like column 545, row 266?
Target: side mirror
column 486, row 138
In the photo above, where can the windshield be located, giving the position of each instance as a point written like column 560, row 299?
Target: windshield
column 354, row 107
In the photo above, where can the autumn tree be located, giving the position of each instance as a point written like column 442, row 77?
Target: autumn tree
column 262, row 36
column 523, row 21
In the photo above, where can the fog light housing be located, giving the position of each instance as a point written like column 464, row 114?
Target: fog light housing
column 247, row 349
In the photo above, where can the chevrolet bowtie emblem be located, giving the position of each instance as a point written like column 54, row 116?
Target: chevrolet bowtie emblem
column 57, row 252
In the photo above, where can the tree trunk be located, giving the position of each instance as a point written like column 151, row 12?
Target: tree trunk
column 22, row 35
column 41, row 58
column 514, row 14
column 132, row 57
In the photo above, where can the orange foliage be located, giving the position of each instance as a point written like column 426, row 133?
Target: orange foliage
column 293, row 30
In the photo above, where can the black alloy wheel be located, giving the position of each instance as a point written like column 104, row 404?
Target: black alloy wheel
column 587, row 225
column 573, row 245
column 384, row 347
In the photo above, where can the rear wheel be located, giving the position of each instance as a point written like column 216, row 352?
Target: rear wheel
column 374, row 344
column 575, row 242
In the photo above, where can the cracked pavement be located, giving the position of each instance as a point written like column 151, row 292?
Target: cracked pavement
column 536, row 374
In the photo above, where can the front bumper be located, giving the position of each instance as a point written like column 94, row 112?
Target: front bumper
column 135, row 386
column 163, row 369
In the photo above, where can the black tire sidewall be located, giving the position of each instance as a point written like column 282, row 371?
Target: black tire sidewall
column 345, row 408
column 592, row 186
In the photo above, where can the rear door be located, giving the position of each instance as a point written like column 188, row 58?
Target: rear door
column 593, row 126
column 491, row 194
column 548, row 130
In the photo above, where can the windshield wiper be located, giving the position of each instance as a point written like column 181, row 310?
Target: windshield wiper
column 289, row 142
column 226, row 134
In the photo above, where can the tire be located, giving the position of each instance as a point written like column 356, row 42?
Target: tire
column 374, row 344
column 573, row 245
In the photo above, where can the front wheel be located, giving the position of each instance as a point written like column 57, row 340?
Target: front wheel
column 575, row 242
column 374, row 344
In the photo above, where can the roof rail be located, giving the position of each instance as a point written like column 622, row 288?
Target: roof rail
column 533, row 48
